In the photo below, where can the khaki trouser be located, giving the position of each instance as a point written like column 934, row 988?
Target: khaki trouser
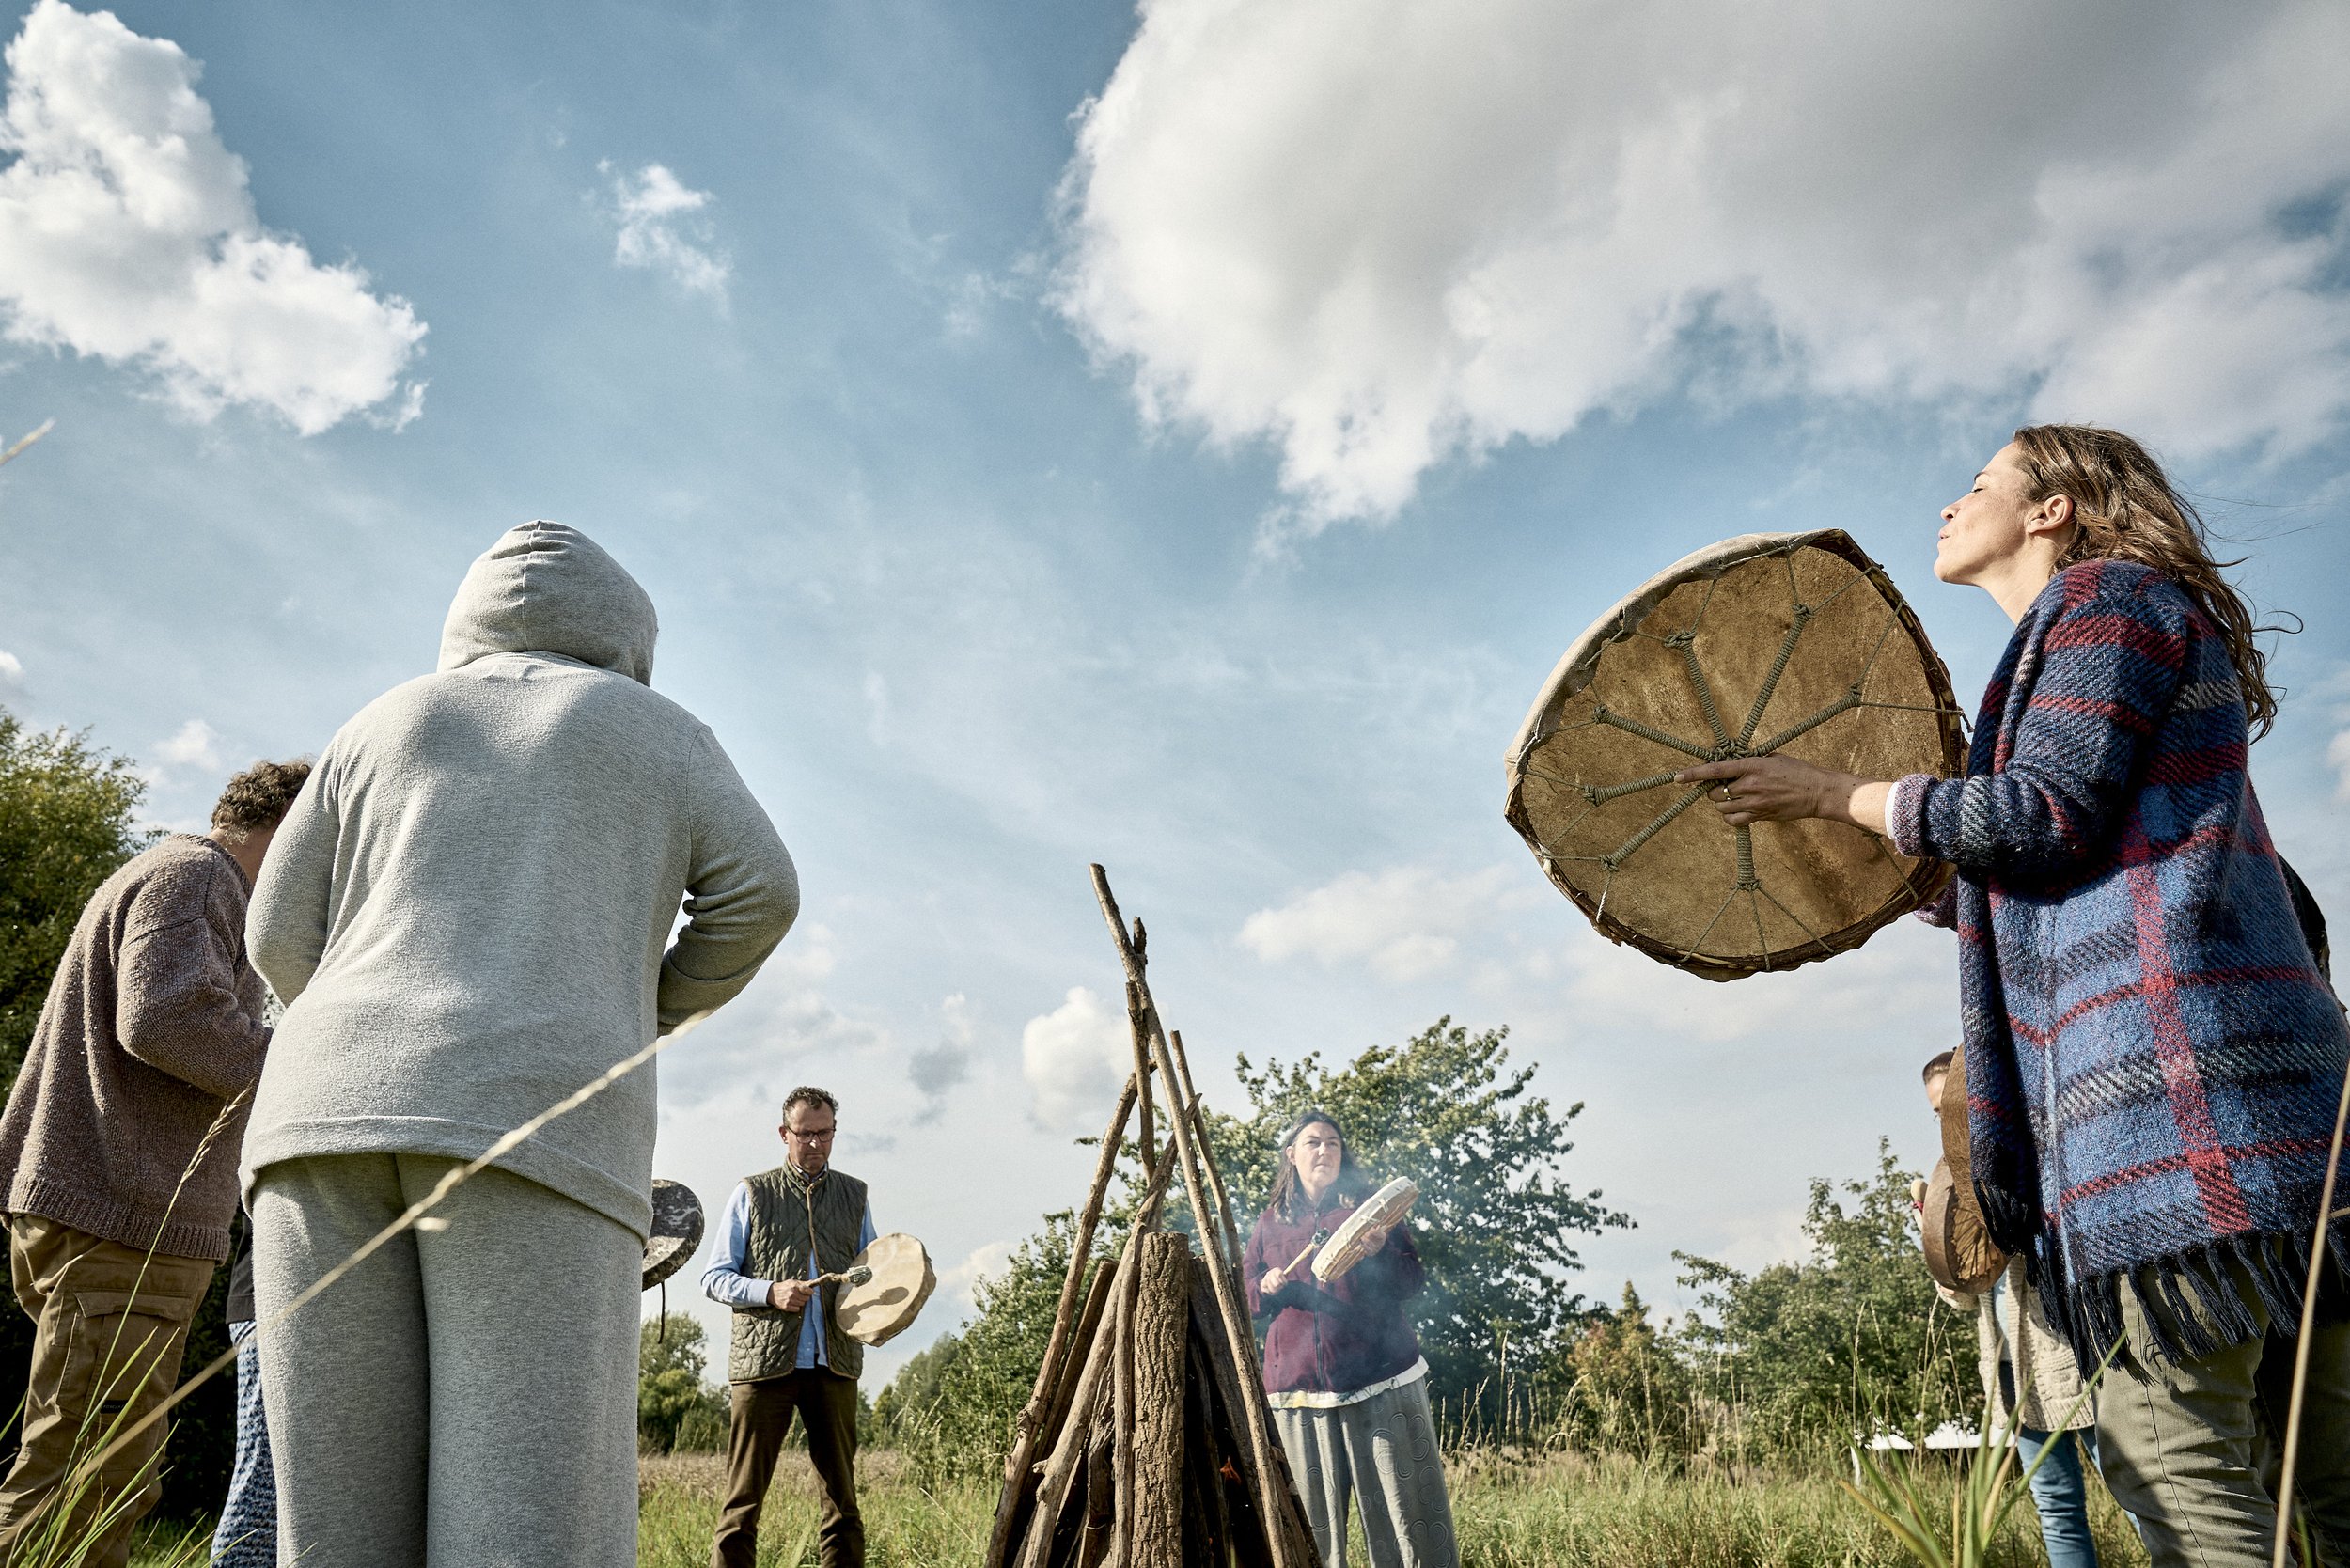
column 111, row 1322
column 826, row 1404
column 2185, row 1451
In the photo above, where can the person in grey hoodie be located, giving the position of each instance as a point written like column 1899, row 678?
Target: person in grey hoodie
column 468, row 916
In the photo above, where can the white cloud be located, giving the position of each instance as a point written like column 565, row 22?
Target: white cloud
column 195, row 744
column 1905, row 972
column 783, row 1027
column 12, row 670
column 128, row 233
column 960, row 1284
column 662, row 229
column 939, row 1071
column 1074, row 1058
column 2338, row 753
column 1385, row 232
column 1405, row 923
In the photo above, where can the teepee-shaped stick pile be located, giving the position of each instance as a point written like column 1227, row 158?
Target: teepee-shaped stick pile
column 1148, row 1442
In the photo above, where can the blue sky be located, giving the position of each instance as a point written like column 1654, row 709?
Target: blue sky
column 1182, row 438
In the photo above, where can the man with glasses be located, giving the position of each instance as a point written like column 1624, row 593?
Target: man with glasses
column 784, row 1230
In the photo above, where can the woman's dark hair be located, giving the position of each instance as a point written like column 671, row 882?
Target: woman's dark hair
column 257, row 799
column 2126, row 509
column 1288, row 1193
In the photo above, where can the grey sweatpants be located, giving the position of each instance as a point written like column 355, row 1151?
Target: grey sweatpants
column 466, row 1398
column 1382, row 1454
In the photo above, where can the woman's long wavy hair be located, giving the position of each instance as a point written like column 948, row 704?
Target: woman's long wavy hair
column 1288, row 1193
column 2126, row 509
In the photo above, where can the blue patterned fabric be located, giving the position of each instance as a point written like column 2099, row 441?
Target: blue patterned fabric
column 247, row 1534
column 2153, row 1058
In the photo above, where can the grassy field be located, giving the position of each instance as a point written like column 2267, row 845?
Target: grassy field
column 1552, row 1513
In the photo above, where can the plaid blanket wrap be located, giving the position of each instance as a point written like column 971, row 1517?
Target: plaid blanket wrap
column 2153, row 1058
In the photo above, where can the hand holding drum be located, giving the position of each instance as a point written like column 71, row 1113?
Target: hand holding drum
column 1365, row 1231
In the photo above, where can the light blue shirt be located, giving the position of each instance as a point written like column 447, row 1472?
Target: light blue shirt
column 724, row 1280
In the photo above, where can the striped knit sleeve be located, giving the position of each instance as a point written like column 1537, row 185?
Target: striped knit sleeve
column 2113, row 653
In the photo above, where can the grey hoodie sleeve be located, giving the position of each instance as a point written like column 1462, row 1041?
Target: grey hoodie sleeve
column 741, row 894
column 286, row 927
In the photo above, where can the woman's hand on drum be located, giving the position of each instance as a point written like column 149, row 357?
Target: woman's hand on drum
column 1786, row 788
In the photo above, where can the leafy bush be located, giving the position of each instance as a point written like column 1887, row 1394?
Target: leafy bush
column 675, row 1408
column 1851, row 1339
column 64, row 826
column 1627, row 1390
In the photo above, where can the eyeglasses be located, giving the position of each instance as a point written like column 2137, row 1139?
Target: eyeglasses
column 814, row 1135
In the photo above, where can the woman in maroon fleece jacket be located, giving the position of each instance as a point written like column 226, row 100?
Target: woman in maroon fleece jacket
column 1342, row 1367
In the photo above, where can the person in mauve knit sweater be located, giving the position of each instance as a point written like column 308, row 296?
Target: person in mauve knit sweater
column 2153, row 1053
column 118, row 1155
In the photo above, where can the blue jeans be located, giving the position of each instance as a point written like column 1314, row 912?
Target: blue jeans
column 2060, row 1492
column 247, row 1536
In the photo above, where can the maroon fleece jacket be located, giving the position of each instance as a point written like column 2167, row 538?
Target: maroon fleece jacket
column 152, row 1024
column 1347, row 1334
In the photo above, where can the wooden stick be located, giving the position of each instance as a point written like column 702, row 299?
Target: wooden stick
column 1025, row 1425
column 2320, row 1245
column 1053, row 1490
column 1224, row 1376
column 1123, row 1395
column 1161, row 1316
column 1277, row 1509
column 1207, row 1147
column 1072, row 1366
column 1136, row 1034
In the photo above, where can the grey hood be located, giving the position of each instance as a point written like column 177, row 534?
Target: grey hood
column 547, row 589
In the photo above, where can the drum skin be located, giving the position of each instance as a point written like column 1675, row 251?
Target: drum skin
column 1793, row 643
column 1959, row 1254
column 878, row 1311
column 1350, row 1244
column 677, row 1230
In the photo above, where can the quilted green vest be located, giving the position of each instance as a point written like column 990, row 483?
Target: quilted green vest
column 790, row 1214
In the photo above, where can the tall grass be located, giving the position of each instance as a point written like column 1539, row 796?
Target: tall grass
column 1548, row 1511
column 907, row 1524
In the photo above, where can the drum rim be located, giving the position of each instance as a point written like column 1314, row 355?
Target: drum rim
column 1920, row 884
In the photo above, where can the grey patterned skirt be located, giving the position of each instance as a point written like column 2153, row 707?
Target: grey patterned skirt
column 1380, row 1454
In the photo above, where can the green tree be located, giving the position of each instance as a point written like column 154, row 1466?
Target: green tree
column 1850, row 1339
column 674, row 1406
column 64, row 826
column 1494, row 1221
column 1627, row 1388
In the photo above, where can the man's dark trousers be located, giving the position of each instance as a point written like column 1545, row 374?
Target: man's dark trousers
column 826, row 1404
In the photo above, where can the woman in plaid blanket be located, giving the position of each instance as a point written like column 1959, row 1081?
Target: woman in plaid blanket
column 2153, row 1056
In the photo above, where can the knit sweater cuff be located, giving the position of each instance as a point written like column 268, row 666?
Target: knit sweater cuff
column 1906, row 814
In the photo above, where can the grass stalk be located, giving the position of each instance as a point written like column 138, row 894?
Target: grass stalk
column 2318, row 1249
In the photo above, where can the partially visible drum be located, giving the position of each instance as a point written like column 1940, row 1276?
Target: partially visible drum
column 677, row 1230
column 1363, row 1230
column 1959, row 1253
column 880, row 1308
column 1792, row 643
